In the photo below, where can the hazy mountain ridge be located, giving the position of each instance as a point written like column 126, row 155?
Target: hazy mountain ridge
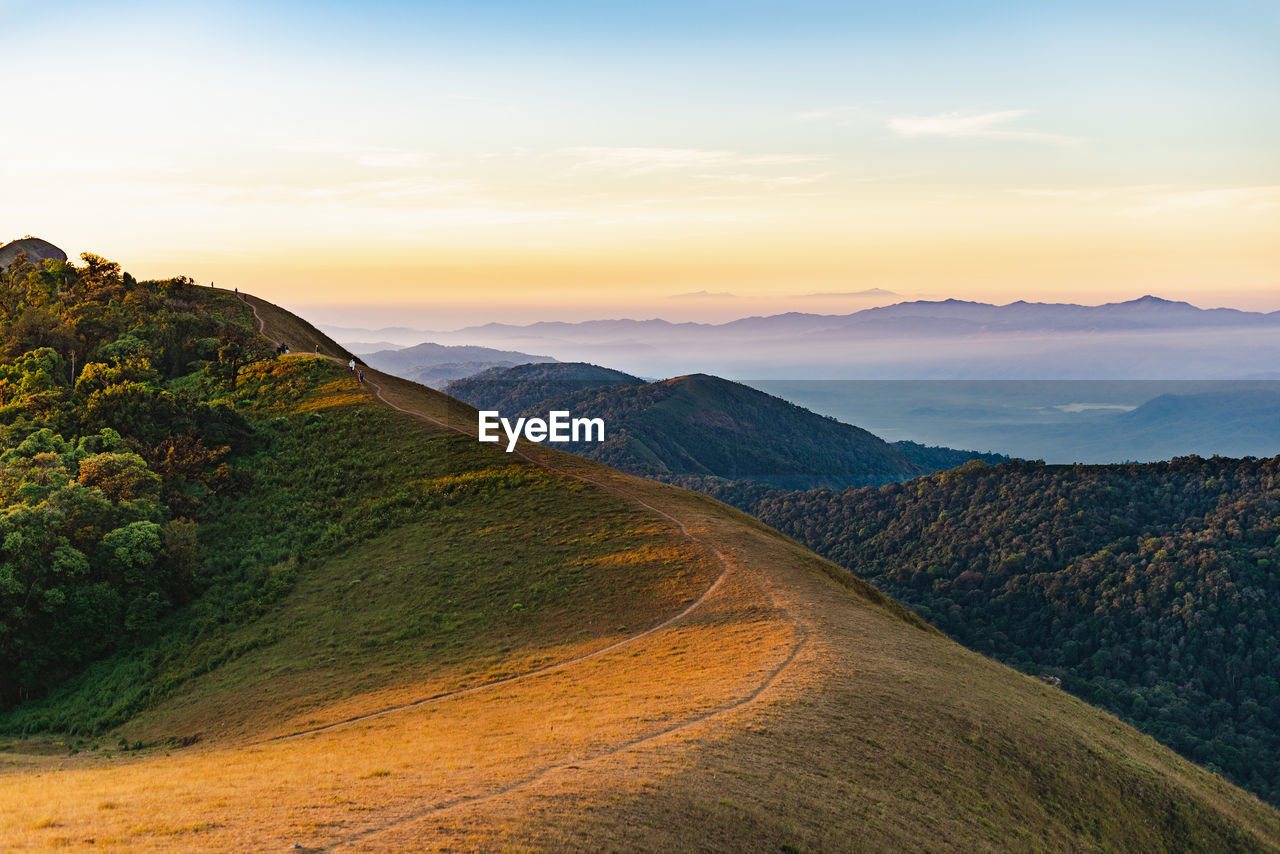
column 1229, row 423
column 1147, row 312
column 437, row 364
column 1147, row 338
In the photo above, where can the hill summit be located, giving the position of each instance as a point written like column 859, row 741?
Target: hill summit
column 698, row 426
column 34, row 248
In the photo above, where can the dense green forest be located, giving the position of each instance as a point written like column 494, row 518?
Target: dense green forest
column 113, row 442
column 1151, row 590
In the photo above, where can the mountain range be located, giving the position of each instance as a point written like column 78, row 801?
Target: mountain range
column 1147, row 312
column 1231, row 422
column 435, row 365
column 1146, row 338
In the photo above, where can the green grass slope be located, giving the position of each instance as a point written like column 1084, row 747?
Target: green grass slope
column 536, row 652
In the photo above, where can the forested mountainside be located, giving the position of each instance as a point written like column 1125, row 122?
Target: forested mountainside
column 701, row 426
column 527, row 388
column 1151, row 590
column 116, row 441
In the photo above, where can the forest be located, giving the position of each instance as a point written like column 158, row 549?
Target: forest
column 113, row 442
column 1152, row 590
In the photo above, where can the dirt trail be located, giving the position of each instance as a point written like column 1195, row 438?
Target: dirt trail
column 377, row 381
column 790, row 707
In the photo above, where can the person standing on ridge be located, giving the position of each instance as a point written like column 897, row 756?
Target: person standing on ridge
column 351, row 366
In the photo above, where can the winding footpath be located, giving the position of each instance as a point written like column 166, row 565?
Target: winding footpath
column 800, row 635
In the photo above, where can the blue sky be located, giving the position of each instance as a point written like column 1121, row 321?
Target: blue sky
column 564, row 151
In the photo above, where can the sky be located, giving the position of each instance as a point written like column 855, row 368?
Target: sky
column 443, row 164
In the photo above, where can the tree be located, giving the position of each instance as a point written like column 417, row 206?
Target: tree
column 238, row 349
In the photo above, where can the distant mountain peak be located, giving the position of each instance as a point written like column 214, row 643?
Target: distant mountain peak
column 1149, row 299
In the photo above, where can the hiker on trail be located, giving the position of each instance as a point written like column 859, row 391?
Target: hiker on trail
column 360, row 376
column 317, row 349
column 351, row 366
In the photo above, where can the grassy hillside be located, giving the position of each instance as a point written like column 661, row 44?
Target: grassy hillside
column 469, row 650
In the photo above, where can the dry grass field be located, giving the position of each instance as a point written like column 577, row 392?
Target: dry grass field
column 705, row 685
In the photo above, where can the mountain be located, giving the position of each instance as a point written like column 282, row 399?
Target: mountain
column 1087, row 421
column 372, row 346
column 693, row 425
column 1150, row 590
column 1147, row 338
column 931, row 316
column 1239, row 420
column 394, row 637
column 35, row 250
column 436, row 364
column 1256, row 410
column 524, row 388
column 1147, row 312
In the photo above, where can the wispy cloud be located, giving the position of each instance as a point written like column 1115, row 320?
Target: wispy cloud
column 704, row 295
column 772, row 181
column 1076, row 194
column 1155, row 199
column 840, row 115
column 1244, row 199
column 643, row 161
column 869, row 292
column 364, row 155
column 956, row 125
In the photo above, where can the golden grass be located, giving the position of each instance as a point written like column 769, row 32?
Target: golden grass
column 318, row 789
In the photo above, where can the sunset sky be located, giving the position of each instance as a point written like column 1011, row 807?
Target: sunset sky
column 440, row 164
